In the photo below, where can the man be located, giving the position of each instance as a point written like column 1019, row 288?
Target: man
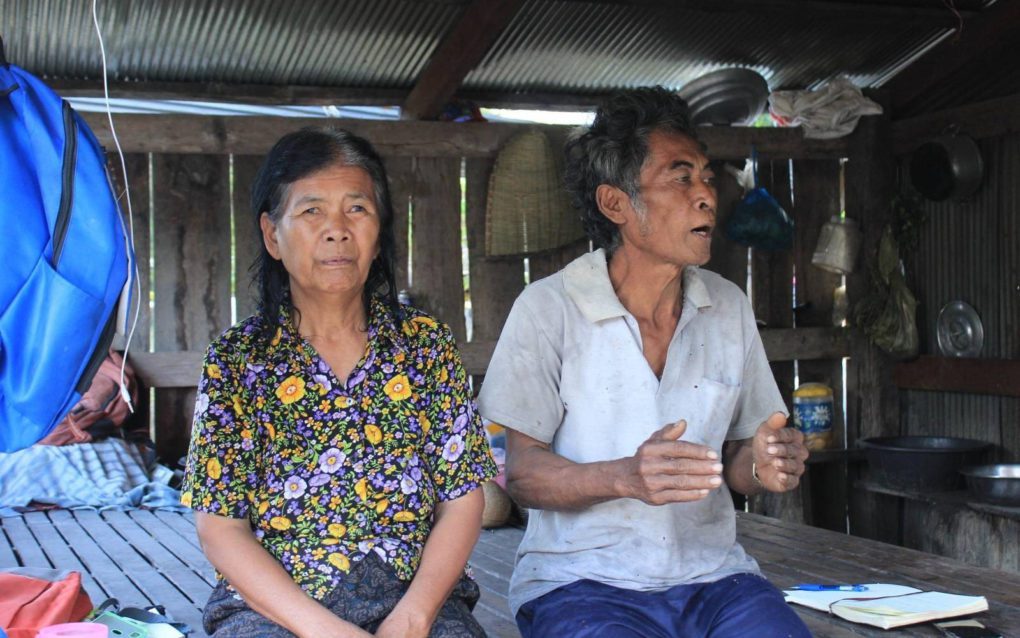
column 635, row 390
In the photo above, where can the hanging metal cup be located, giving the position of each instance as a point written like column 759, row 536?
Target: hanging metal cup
column 837, row 246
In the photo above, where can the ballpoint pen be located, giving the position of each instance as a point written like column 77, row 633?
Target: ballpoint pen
column 813, row 587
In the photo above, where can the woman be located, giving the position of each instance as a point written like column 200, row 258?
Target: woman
column 336, row 453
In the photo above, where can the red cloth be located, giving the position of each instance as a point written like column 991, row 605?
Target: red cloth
column 29, row 604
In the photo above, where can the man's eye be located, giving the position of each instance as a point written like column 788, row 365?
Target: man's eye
column 709, row 179
column 310, row 211
column 358, row 208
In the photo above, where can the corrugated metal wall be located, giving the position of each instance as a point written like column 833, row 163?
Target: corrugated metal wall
column 970, row 251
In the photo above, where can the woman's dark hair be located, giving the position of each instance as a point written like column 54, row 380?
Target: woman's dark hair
column 296, row 156
column 613, row 150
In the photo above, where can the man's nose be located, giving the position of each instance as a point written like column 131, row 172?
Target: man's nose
column 705, row 198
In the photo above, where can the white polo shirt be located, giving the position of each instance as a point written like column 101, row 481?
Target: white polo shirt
column 569, row 370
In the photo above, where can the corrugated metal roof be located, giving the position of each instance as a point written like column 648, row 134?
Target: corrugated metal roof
column 579, row 47
column 575, row 47
column 343, row 43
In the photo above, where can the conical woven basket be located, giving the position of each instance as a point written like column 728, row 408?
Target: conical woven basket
column 528, row 209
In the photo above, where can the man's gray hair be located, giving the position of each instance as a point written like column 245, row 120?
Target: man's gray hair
column 613, row 150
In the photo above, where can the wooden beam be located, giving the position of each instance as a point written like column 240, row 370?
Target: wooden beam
column 991, row 118
column 991, row 37
column 292, row 95
column 845, row 11
column 463, row 48
column 971, row 376
column 183, row 369
column 259, row 94
column 255, row 135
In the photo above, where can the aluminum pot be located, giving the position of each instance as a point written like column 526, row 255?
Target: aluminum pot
column 994, row 483
column 947, row 167
column 922, row 463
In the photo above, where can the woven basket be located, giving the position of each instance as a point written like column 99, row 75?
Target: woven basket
column 528, row 209
column 497, row 505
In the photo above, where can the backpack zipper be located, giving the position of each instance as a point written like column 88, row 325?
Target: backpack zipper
column 67, row 194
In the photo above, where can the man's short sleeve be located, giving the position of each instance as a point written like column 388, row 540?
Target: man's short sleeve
column 759, row 396
column 522, row 383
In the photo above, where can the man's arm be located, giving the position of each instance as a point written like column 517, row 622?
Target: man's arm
column 663, row 470
column 780, row 455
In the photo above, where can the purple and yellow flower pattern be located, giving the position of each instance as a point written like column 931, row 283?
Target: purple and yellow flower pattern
column 327, row 470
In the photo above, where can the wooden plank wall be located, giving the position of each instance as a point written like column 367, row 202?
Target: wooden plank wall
column 195, row 206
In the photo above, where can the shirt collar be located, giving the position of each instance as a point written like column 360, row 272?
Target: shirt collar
column 587, row 283
column 381, row 325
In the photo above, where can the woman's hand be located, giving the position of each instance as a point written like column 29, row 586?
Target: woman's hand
column 404, row 622
column 263, row 583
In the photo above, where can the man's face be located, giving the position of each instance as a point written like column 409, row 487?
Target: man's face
column 674, row 216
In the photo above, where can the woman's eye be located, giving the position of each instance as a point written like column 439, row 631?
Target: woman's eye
column 310, row 211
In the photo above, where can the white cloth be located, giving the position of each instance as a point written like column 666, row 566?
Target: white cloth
column 569, row 369
column 831, row 111
column 106, row 474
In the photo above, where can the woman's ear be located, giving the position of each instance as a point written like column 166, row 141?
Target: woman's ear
column 269, row 235
column 613, row 203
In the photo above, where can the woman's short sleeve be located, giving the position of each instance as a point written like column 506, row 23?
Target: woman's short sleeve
column 457, row 448
column 220, row 474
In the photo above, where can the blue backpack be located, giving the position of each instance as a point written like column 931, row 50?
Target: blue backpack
column 65, row 257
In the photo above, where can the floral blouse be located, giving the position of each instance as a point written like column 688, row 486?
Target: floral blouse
column 326, row 470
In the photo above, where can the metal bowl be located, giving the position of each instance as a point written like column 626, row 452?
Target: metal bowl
column 998, row 484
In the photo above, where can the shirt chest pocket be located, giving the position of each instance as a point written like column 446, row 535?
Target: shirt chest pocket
column 711, row 412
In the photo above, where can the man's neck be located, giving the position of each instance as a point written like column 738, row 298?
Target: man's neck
column 652, row 292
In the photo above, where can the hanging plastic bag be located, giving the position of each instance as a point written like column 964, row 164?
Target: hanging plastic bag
column 758, row 220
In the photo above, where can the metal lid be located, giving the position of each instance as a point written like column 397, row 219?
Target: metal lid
column 959, row 330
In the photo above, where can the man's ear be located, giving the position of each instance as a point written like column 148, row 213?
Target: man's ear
column 613, row 203
column 269, row 235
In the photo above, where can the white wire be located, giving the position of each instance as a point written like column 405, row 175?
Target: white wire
column 133, row 264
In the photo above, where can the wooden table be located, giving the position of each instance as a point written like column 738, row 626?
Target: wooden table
column 143, row 558
column 789, row 553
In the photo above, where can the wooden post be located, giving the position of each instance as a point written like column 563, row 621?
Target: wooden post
column 436, row 274
column 869, row 191
column 247, row 238
column 192, row 276
column 495, row 283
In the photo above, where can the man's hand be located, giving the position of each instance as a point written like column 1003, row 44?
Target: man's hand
column 779, row 453
column 667, row 470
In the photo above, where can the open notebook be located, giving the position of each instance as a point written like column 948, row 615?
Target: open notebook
column 887, row 606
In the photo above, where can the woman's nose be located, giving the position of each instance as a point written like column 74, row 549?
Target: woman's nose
column 337, row 228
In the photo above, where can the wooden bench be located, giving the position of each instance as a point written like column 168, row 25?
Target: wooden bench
column 143, row 558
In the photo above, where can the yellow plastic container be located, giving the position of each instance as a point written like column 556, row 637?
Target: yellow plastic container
column 812, row 414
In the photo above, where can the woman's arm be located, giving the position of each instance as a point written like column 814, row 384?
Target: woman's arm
column 453, row 536
column 264, row 584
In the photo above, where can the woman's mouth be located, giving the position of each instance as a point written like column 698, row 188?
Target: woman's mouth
column 703, row 231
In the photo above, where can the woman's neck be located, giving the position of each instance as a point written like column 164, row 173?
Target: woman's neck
column 332, row 318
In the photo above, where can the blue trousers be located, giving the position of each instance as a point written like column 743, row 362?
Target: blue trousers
column 732, row 607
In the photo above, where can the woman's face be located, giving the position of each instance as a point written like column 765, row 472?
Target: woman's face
column 327, row 234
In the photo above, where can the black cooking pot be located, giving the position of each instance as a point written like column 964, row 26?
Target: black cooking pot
column 947, row 167
column 922, row 463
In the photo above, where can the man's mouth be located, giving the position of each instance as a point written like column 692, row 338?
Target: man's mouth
column 703, row 231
